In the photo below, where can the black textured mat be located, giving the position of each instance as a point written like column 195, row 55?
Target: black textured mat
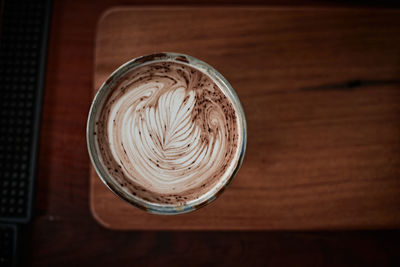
column 23, row 38
column 8, row 245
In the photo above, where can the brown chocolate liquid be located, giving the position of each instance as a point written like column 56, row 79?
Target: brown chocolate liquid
column 167, row 133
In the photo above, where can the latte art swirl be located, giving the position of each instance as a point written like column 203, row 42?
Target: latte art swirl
column 167, row 133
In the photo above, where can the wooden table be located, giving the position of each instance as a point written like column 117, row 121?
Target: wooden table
column 64, row 232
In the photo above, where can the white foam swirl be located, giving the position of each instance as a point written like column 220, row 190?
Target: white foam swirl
column 161, row 146
column 170, row 130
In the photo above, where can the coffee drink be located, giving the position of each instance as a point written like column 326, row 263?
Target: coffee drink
column 168, row 134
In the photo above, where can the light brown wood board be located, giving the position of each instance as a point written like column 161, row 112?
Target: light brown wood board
column 321, row 91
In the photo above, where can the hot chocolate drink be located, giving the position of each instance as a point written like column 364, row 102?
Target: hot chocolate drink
column 167, row 133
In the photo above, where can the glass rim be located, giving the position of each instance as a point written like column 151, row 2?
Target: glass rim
column 97, row 104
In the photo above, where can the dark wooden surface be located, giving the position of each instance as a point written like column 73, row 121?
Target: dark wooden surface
column 65, row 233
column 320, row 153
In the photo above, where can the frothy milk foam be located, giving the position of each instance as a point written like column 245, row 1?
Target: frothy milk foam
column 167, row 133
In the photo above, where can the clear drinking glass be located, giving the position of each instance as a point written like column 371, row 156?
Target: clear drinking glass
column 96, row 107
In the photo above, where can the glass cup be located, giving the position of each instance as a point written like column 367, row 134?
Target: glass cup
column 101, row 170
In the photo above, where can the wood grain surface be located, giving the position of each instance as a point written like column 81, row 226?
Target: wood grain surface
column 64, row 231
column 321, row 93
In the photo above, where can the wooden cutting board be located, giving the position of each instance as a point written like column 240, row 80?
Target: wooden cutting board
column 321, row 92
